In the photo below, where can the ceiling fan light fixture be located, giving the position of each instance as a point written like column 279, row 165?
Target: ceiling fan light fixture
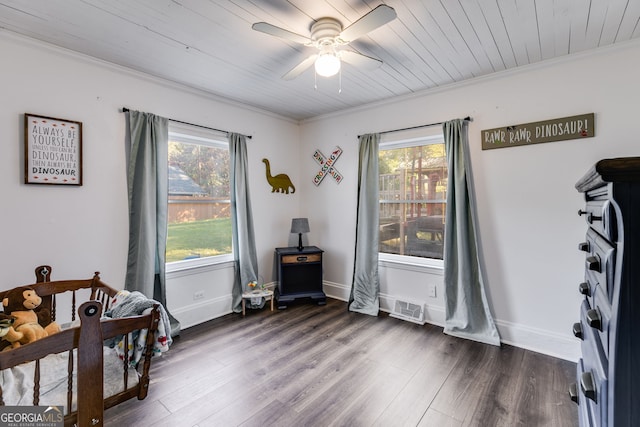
column 326, row 34
column 327, row 64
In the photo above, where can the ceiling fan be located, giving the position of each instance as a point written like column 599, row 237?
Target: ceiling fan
column 327, row 35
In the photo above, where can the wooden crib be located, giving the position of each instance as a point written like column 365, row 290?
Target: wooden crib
column 88, row 365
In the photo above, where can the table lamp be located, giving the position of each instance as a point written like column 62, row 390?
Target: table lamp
column 300, row 225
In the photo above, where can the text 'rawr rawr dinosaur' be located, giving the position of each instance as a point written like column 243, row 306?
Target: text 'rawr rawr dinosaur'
column 565, row 128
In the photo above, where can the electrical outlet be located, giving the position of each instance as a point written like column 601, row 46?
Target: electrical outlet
column 432, row 291
column 198, row 295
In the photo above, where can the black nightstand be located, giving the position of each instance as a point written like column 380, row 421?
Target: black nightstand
column 299, row 275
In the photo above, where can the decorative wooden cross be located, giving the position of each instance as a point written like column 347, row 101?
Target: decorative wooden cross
column 327, row 166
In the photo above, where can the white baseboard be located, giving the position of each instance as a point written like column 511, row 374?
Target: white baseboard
column 336, row 290
column 204, row 311
column 539, row 340
column 534, row 339
column 433, row 314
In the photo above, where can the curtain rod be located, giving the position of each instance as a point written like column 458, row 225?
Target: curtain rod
column 125, row 110
column 467, row 119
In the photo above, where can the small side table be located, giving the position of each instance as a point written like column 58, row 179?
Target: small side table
column 257, row 293
column 299, row 275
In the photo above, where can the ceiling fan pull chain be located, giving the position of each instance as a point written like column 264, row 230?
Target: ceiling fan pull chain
column 315, row 80
column 340, row 81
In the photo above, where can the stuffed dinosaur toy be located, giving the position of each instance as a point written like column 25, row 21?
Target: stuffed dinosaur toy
column 6, row 324
column 20, row 303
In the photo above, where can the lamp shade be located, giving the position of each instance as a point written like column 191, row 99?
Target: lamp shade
column 327, row 64
column 300, row 225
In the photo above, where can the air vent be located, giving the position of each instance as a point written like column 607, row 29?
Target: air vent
column 408, row 310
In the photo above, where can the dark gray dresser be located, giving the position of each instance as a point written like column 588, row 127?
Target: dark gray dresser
column 608, row 374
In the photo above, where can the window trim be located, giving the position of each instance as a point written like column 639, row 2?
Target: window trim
column 192, row 139
column 411, row 142
column 410, row 261
column 189, row 264
column 188, row 134
column 413, row 263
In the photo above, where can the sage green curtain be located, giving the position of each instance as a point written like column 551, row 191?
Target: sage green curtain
column 365, row 287
column 467, row 313
column 244, row 246
column 147, row 142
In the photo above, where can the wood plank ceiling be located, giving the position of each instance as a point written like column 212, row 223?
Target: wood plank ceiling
column 209, row 44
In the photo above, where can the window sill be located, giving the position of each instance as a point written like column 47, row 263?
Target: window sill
column 423, row 265
column 197, row 265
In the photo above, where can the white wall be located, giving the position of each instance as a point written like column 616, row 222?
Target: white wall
column 79, row 230
column 526, row 198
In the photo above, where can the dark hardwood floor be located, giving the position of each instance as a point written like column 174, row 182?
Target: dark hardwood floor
column 314, row 365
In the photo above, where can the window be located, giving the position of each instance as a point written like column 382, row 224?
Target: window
column 413, row 183
column 199, row 211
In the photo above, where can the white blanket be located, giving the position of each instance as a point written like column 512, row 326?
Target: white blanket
column 17, row 383
column 126, row 304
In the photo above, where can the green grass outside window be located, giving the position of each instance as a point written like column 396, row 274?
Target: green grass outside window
column 198, row 239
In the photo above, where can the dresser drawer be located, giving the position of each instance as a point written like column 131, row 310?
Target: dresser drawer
column 584, row 409
column 301, row 259
column 593, row 379
column 588, row 288
column 600, row 215
column 596, row 320
column 600, row 262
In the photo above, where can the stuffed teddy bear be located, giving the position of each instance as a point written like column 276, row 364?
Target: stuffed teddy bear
column 20, row 303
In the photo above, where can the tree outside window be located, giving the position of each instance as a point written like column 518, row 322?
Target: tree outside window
column 199, row 223
column 413, row 182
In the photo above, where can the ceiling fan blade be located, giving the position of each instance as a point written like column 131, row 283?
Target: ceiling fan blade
column 272, row 30
column 359, row 60
column 369, row 22
column 300, row 68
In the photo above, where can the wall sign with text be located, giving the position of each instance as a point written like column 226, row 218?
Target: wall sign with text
column 52, row 151
column 573, row 127
column 327, row 166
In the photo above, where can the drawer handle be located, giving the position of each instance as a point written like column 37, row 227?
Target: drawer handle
column 590, row 217
column 585, row 289
column 577, row 330
column 593, row 319
column 301, row 258
column 588, row 386
column 593, row 264
column 573, row 393
column 584, row 246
